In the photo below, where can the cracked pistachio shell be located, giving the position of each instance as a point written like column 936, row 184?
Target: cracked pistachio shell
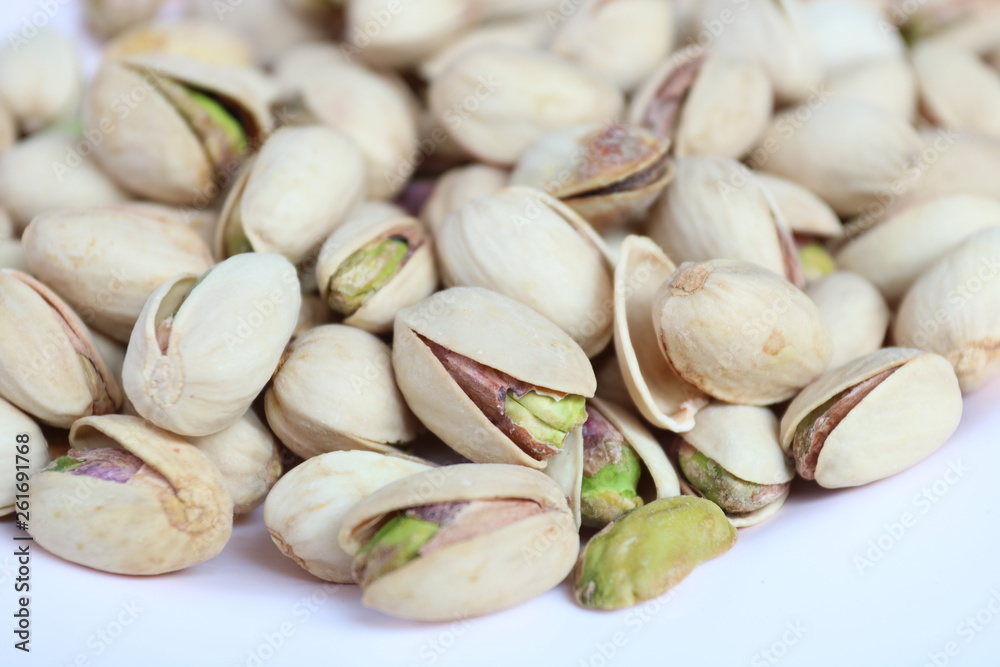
column 458, row 187
column 133, row 529
column 888, row 83
column 303, row 184
column 203, row 349
column 89, row 257
column 12, row 255
column 894, row 252
column 531, row 247
column 153, row 150
column 50, row 367
column 716, row 209
column 495, row 331
column 957, row 89
column 744, row 441
column 659, row 394
column 803, row 211
column 188, row 37
column 336, row 390
column 408, row 33
column 416, row 279
column 904, row 419
column 303, row 511
column 705, row 103
column 847, row 34
column 13, row 422
column 40, row 77
column 486, row 573
column 106, row 18
column 953, row 309
column 519, row 94
column 609, row 174
column 739, row 332
column 526, row 31
column 247, row 455
column 853, row 311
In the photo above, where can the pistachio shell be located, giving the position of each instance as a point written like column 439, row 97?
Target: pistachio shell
column 458, row 187
column 267, row 27
column 803, row 211
column 188, row 37
column 203, row 221
column 952, row 163
column 888, row 83
column 297, row 64
column 957, row 89
column 34, row 453
column 40, row 77
column 847, row 34
column 406, row 33
column 106, row 18
column 486, row 573
column 853, row 311
column 566, row 470
column 527, row 31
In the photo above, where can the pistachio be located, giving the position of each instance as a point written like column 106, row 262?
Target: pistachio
column 649, row 551
column 526, row 31
column 458, row 187
column 723, row 488
column 817, row 262
column 188, row 37
column 871, row 36
column 107, row 18
column 888, row 83
column 34, row 452
column 804, row 213
column 964, row 163
column 395, row 544
column 957, row 89
column 610, row 474
column 854, row 313
column 40, row 77
column 413, row 33
column 266, row 27
column 364, row 272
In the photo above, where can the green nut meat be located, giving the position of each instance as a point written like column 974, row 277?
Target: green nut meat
column 611, row 473
column 393, row 546
column 547, row 419
column 365, row 272
column 817, row 262
column 723, row 488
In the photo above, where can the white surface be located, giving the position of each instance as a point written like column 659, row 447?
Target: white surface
column 251, row 606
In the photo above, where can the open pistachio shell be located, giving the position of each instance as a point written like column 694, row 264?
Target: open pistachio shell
column 802, row 210
column 34, row 452
column 498, row 333
column 854, row 313
column 303, row 511
column 901, row 405
column 335, row 389
column 178, row 515
column 50, row 367
column 658, row 393
column 566, row 470
column 493, row 570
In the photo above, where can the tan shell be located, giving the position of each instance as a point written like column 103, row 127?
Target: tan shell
column 495, row 331
column 188, row 37
column 90, row 257
column 227, row 336
column 740, row 333
column 417, row 278
column 484, row 574
column 854, row 313
column 458, row 187
column 528, row 31
column 40, row 75
column 952, row 309
column 403, row 32
column 106, row 18
column 201, row 220
column 901, row 422
column 955, row 163
column 34, row 454
column 802, row 211
column 43, row 341
column 336, row 390
column 663, row 398
column 304, row 509
column 133, row 529
column 267, row 27
column 530, row 247
column 889, row 83
column 957, row 89
column 295, row 65
column 847, row 34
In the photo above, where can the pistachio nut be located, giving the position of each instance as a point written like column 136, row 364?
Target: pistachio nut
column 969, row 24
column 89, row 257
column 302, row 185
column 854, row 313
column 40, row 77
column 201, row 220
column 106, row 18
column 526, row 31
column 872, row 418
column 952, row 310
column 609, row 174
column 50, row 367
column 187, row 36
column 130, row 498
column 113, row 353
column 805, row 214
column 733, row 458
column 952, row 163
column 495, row 380
column 514, row 96
column 847, row 34
column 693, row 223
column 192, row 127
column 247, row 455
column 203, row 348
column 458, row 187
column 414, row 31
column 303, row 511
column 781, row 344
column 335, row 389
column 267, row 27
column 460, row 541
column 12, row 255
column 888, row 83
column 370, row 269
column 649, row 551
column 25, row 452
column 531, row 247
column 297, row 64
column 658, row 393
column 705, row 103
column 957, row 89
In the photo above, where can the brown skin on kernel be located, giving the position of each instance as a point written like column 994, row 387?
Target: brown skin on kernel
column 663, row 112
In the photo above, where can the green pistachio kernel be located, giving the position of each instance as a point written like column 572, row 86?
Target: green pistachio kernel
column 364, row 273
column 723, row 488
column 547, row 419
column 393, row 546
column 611, row 492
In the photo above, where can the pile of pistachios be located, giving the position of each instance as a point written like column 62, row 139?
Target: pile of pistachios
column 476, row 297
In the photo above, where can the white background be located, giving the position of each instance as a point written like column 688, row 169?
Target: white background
column 833, row 579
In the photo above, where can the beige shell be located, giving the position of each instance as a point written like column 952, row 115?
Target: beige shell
column 416, row 279
column 954, row 163
column 957, row 89
column 304, row 509
column 853, row 311
column 898, row 249
column 198, row 373
column 201, row 220
column 129, row 529
column 247, row 455
column 458, row 187
column 889, row 83
column 106, row 263
column 391, row 34
column 663, row 398
column 498, row 100
column 267, row 27
column 530, row 247
column 294, row 66
column 901, row 422
column 802, row 211
column 952, row 309
column 21, row 459
column 480, row 575
column 12, row 255
column 106, row 18
column 303, row 184
column 739, row 332
column 716, row 209
column 528, row 31
column 705, row 103
column 40, row 75
column 42, row 368
column 846, row 34
column 497, row 332
column 188, row 37
column 335, row 390
column 743, row 440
